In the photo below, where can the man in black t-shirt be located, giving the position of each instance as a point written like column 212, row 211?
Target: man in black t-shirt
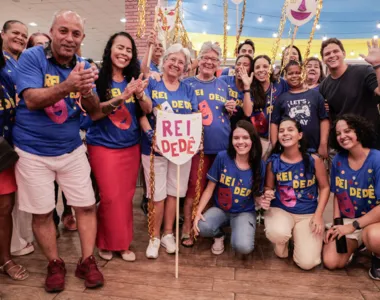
column 352, row 88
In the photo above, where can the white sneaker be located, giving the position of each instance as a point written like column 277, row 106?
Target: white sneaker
column 218, row 246
column 153, row 247
column 105, row 254
column 168, row 242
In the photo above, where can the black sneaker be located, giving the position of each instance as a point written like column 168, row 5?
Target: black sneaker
column 374, row 272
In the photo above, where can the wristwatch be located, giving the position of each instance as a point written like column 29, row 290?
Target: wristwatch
column 246, row 91
column 356, row 225
column 376, row 67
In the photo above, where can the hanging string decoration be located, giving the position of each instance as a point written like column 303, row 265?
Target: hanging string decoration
column 316, row 22
column 198, row 184
column 241, row 25
column 177, row 21
column 151, row 210
column 225, row 30
column 281, row 27
column 141, row 7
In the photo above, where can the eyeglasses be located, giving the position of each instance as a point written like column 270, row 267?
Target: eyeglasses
column 213, row 59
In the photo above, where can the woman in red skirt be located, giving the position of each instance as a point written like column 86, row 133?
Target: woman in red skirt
column 113, row 144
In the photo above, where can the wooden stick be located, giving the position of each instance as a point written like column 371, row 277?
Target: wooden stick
column 154, row 28
column 177, row 225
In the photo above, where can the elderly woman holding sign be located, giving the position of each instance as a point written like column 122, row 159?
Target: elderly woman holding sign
column 170, row 95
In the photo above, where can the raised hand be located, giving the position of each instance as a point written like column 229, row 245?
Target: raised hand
column 247, row 80
column 373, row 56
column 230, row 106
column 141, row 86
column 152, row 38
column 81, row 80
column 130, row 89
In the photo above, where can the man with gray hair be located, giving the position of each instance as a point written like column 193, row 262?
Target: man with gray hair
column 53, row 84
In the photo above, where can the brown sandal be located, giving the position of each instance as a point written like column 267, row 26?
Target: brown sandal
column 20, row 274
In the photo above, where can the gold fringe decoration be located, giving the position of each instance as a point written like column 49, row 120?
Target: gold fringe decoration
column 151, row 210
column 177, row 21
column 287, row 58
column 225, row 31
column 238, row 34
column 281, row 27
column 198, row 184
column 311, row 37
column 141, row 6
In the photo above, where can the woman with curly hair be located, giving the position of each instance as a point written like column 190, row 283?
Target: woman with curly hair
column 355, row 182
column 114, row 143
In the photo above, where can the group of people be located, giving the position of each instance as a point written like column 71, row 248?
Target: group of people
column 266, row 138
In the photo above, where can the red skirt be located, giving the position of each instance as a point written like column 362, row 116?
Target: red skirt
column 8, row 181
column 116, row 172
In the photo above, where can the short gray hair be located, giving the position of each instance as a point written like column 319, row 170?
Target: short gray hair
column 65, row 12
column 175, row 48
column 210, row 46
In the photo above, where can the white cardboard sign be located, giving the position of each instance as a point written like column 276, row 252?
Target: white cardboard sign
column 299, row 12
column 178, row 136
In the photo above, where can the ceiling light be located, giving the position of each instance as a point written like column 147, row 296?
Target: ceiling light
column 275, row 35
column 123, row 20
column 204, row 32
column 378, row 25
column 204, row 7
column 324, row 38
column 183, row 15
column 283, row 48
column 260, row 19
column 228, row 27
column 318, row 26
column 316, row 55
column 375, row 37
column 228, row 53
column 33, row 24
column 82, row 44
column 352, row 53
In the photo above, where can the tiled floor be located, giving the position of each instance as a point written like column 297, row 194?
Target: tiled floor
column 202, row 275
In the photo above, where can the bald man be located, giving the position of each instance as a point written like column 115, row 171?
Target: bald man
column 51, row 83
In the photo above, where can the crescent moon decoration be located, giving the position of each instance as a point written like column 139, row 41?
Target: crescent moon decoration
column 238, row 34
column 225, row 31
column 141, row 6
column 281, row 27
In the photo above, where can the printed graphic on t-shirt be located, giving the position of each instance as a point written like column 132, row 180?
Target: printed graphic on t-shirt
column 300, row 110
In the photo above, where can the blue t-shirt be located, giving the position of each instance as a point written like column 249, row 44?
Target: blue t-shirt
column 7, row 116
column 153, row 67
column 229, row 71
column 233, row 186
column 357, row 191
column 260, row 116
column 296, row 189
column 307, row 108
column 85, row 121
column 120, row 129
column 11, row 66
column 181, row 101
column 211, row 96
column 52, row 131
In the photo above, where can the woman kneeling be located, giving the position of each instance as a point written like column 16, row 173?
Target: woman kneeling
column 294, row 208
column 355, row 180
column 235, row 178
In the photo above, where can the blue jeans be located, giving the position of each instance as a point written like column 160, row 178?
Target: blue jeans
column 243, row 227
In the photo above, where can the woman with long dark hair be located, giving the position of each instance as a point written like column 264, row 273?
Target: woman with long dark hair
column 355, row 182
column 8, row 184
column 295, row 54
column 240, row 88
column 265, row 91
column 113, row 144
column 235, row 182
column 293, row 178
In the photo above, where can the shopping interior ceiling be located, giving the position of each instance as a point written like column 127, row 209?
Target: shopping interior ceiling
column 353, row 21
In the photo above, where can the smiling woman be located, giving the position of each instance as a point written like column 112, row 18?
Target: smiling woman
column 14, row 35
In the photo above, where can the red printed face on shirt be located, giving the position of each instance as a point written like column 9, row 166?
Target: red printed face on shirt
column 260, row 123
column 225, row 198
column 207, row 117
column 58, row 112
column 287, row 196
column 345, row 205
column 121, row 117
